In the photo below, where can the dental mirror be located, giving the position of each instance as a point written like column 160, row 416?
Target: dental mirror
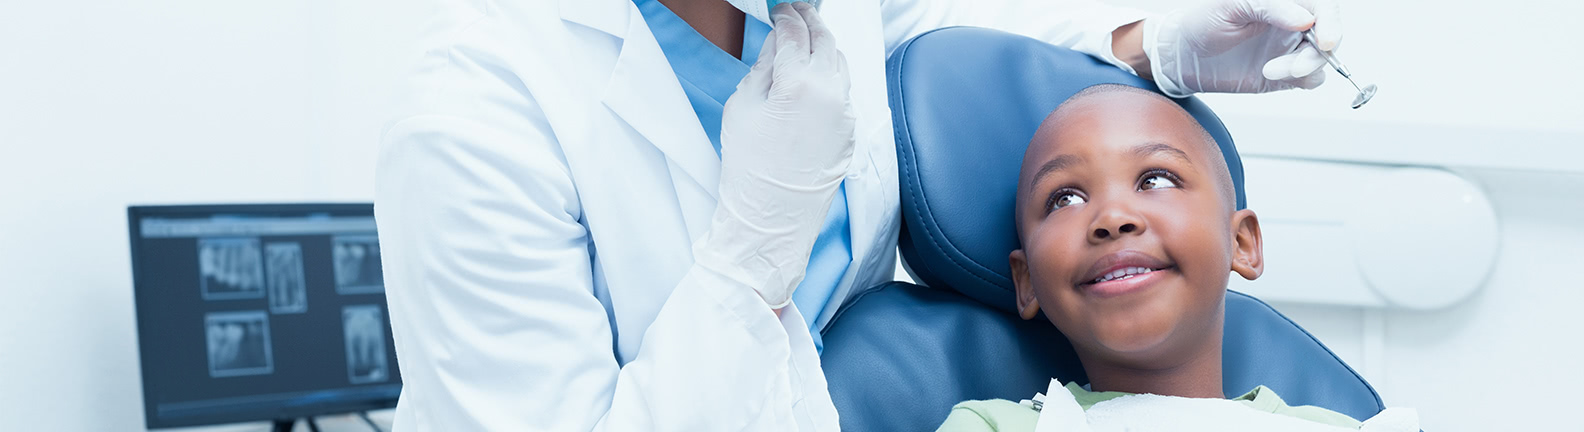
column 1365, row 93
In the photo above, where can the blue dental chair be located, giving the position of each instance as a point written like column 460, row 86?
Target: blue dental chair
column 965, row 102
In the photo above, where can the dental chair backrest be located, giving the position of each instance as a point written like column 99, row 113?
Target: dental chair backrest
column 965, row 102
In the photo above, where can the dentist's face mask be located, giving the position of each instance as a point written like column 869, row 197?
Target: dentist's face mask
column 761, row 8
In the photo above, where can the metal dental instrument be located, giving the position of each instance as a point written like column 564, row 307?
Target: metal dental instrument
column 1365, row 92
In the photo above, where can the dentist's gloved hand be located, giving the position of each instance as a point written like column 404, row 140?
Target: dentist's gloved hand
column 786, row 143
column 1241, row 46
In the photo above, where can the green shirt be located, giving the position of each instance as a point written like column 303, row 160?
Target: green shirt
column 1007, row 416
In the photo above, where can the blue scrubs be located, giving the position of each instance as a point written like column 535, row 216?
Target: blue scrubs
column 709, row 76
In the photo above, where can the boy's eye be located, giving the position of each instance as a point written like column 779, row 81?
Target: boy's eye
column 1063, row 199
column 1157, row 181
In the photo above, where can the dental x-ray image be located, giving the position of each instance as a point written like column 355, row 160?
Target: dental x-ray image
column 231, row 268
column 288, row 292
column 357, row 265
column 239, row 343
column 364, row 326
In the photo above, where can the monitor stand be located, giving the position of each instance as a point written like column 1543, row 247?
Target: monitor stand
column 286, row 425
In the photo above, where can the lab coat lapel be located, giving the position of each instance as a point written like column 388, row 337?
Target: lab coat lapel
column 640, row 145
column 609, row 16
column 644, row 92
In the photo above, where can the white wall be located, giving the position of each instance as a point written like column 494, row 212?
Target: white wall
column 106, row 103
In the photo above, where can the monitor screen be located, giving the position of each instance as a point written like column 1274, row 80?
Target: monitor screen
column 260, row 312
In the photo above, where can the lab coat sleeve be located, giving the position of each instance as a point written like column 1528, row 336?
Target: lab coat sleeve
column 1082, row 25
column 490, row 290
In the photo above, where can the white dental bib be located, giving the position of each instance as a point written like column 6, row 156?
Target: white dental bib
column 1150, row 413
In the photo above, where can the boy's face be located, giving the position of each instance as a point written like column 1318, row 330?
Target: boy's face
column 1128, row 230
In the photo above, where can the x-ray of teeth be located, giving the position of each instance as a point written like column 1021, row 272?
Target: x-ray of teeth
column 239, row 343
column 357, row 265
column 230, row 268
column 288, row 292
column 364, row 326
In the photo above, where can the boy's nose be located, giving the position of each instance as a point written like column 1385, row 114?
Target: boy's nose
column 1113, row 223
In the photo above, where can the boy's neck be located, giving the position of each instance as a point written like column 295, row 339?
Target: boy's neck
column 1197, row 375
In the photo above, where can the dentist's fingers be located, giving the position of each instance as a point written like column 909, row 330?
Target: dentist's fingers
column 1309, row 82
column 767, row 53
column 1306, row 61
column 757, row 83
column 1283, row 80
column 1328, row 23
column 792, row 34
column 822, row 45
column 1279, row 68
column 1283, row 14
column 1300, row 63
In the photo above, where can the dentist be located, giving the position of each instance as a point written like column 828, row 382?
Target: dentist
column 636, row 215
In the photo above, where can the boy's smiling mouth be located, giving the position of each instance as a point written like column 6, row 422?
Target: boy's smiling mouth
column 1126, row 273
column 1122, row 272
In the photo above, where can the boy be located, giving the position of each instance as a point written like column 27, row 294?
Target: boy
column 1129, row 227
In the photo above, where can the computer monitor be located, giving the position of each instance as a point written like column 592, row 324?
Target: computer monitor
column 260, row 312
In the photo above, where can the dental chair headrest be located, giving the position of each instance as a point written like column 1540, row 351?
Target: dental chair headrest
column 957, row 221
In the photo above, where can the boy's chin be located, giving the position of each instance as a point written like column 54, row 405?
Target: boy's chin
column 1134, row 342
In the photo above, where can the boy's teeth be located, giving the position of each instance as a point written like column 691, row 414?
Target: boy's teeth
column 1122, row 273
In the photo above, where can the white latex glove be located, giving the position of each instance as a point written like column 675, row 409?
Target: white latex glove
column 1241, row 46
column 786, row 143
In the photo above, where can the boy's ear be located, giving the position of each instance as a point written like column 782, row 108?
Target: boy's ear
column 1027, row 302
column 1248, row 251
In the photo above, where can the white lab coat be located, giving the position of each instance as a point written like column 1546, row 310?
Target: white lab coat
column 538, row 195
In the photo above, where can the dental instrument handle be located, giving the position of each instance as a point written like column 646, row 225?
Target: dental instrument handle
column 1331, row 59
